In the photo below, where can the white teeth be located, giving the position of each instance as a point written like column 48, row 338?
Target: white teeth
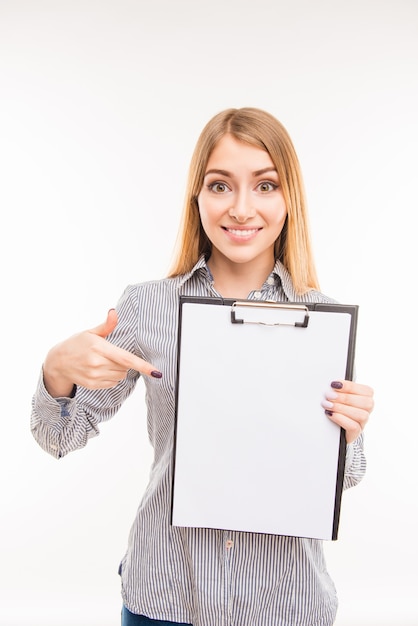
column 242, row 233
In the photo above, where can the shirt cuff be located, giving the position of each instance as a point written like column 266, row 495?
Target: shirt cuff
column 53, row 409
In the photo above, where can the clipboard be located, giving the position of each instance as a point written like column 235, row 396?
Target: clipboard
column 253, row 449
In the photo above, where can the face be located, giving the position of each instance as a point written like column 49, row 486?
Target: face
column 241, row 205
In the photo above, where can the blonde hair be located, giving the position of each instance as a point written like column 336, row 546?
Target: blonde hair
column 258, row 128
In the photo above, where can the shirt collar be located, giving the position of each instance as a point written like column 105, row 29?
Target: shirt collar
column 279, row 271
column 282, row 273
column 200, row 265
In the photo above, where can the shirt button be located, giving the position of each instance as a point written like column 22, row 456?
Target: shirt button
column 229, row 544
column 257, row 294
column 270, row 280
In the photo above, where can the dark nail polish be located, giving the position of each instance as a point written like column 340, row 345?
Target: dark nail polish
column 156, row 374
column 328, row 412
column 336, row 384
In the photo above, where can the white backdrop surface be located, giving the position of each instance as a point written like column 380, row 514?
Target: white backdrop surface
column 101, row 104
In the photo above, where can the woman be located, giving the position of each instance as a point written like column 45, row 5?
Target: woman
column 244, row 234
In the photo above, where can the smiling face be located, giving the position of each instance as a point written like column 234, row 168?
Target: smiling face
column 241, row 206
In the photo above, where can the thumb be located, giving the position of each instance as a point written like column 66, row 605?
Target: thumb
column 103, row 330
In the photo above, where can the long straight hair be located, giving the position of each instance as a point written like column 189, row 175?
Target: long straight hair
column 257, row 128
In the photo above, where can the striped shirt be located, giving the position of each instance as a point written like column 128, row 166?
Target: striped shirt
column 203, row 577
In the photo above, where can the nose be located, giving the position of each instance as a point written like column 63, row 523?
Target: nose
column 242, row 209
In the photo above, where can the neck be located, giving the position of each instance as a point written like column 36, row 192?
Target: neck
column 237, row 280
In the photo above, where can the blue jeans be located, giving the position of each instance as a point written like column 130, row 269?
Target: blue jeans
column 130, row 619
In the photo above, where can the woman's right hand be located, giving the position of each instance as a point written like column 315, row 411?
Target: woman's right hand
column 89, row 360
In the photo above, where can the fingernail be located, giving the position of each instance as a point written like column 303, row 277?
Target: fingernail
column 156, row 374
column 327, row 405
column 331, row 395
column 336, row 384
column 328, row 413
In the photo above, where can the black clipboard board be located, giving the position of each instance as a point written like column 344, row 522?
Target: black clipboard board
column 253, row 449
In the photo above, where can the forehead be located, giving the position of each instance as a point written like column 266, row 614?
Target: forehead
column 230, row 154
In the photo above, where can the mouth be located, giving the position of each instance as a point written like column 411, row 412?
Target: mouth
column 243, row 233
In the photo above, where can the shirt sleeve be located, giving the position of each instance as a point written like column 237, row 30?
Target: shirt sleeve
column 61, row 425
column 355, row 463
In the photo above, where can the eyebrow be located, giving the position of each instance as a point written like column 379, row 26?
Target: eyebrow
column 256, row 173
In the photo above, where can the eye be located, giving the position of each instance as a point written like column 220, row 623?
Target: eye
column 266, row 185
column 217, row 187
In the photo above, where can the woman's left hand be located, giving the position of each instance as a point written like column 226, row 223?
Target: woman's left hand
column 349, row 405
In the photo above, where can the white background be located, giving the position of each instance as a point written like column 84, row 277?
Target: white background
column 101, row 104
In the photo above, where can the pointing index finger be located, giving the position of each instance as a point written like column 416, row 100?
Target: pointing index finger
column 128, row 360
